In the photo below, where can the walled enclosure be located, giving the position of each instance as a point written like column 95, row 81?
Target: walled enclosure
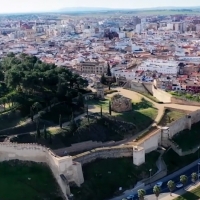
column 71, row 167
column 58, row 165
column 145, row 145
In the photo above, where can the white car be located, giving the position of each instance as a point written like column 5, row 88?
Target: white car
column 159, row 184
column 130, row 197
column 179, row 185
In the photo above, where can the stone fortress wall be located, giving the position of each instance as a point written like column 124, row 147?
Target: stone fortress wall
column 143, row 146
column 58, row 165
column 71, row 167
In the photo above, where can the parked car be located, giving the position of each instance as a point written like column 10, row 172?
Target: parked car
column 130, row 197
column 179, row 185
column 159, row 184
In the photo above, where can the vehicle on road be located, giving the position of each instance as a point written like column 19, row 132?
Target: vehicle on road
column 179, row 185
column 130, row 197
column 159, row 184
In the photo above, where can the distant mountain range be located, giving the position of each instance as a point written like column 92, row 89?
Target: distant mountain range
column 83, row 9
column 91, row 9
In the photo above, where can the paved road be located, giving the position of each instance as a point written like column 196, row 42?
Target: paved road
column 164, row 189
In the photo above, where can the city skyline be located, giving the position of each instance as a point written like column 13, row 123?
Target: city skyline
column 13, row 6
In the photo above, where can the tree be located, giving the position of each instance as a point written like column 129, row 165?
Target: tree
column 72, row 124
column 80, row 100
column 183, row 179
column 45, row 132
column 60, row 121
column 110, row 111
column 31, row 113
column 194, row 177
column 101, row 111
column 103, row 79
column 4, row 101
column 38, row 127
column 37, row 106
column 54, row 101
column 171, row 186
column 141, row 194
column 50, row 139
column 108, row 71
column 156, row 191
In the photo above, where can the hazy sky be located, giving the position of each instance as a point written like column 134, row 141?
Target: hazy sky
column 48, row 5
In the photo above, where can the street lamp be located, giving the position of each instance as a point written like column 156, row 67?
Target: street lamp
column 150, row 176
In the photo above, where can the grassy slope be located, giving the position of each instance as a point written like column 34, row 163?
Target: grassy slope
column 15, row 185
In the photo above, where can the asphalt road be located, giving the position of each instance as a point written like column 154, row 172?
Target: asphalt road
column 164, row 188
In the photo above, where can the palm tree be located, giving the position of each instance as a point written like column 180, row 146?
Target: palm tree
column 171, row 186
column 156, row 191
column 183, row 179
column 141, row 194
column 194, row 177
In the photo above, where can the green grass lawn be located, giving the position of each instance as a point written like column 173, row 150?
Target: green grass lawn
column 141, row 118
column 188, row 139
column 170, row 116
column 190, row 195
column 104, row 177
column 175, row 162
column 142, row 115
column 15, row 183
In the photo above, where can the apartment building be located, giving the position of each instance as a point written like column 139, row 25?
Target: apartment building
column 92, row 68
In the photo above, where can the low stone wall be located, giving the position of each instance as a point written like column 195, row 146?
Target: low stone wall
column 148, row 87
column 184, row 101
column 138, row 87
column 107, row 152
column 82, row 146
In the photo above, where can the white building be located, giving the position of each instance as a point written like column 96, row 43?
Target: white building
column 160, row 66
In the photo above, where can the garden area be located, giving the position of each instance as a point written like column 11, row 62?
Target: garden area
column 175, row 162
column 170, row 116
column 142, row 115
column 103, row 177
column 190, row 195
column 27, row 180
column 188, row 139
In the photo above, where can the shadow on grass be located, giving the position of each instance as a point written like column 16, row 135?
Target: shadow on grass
column 140, row 120
column 143, row 104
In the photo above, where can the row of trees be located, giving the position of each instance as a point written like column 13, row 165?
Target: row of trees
column 170, row 185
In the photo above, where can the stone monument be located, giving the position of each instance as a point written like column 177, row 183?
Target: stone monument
column 100, row 90
column 120, row 103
